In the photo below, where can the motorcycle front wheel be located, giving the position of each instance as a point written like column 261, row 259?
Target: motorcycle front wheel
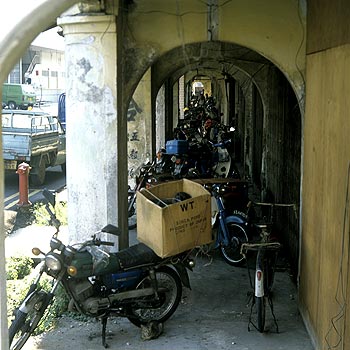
column 169, row 295
column 25, row 323
column 232, row 251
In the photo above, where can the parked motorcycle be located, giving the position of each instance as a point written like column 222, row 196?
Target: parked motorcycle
column 134, row 283
column 231, row 228
column 149, row 174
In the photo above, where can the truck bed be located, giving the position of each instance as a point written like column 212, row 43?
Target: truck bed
column 22, row 145
column 26, row 135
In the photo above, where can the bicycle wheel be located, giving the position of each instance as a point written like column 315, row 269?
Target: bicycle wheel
column 232, row 251
column 260, row 289
column 169, row 291
column 25, row 323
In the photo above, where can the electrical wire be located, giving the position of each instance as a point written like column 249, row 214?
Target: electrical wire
column 298, row 51
column 340, row 283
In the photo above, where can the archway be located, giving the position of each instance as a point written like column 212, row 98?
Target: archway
column 267, row 112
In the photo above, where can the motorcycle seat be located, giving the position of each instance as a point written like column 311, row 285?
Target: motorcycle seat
column 137, row 255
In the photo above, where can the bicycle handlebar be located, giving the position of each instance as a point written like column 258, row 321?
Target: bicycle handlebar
column 273, row 205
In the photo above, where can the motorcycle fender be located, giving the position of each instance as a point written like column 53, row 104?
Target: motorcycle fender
column 32, row 299
column 237, row 219
column 181, row 270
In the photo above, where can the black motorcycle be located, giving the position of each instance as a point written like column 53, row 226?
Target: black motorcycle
column 147, row 175
column 134, row 283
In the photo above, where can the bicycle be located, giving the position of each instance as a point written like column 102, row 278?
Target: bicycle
column 267, row 250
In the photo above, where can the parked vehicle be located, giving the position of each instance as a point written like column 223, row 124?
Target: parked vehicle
column 61, row 114
column 232, row 227
column 134, row 283
column 266, row 250
column 140, row 182
column 19, row 96
column 147, row 175
column 198, row 156
column 36, row 138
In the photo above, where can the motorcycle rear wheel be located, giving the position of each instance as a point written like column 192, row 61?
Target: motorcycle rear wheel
column 169, row 291
column 232, row 252
column 24, row 324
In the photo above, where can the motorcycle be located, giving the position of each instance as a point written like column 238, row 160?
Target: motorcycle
column 230, row 227
column 148, row 175
column 134, row 283
column 209, row 152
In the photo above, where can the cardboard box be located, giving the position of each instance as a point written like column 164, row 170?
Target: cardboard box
column 177, row 227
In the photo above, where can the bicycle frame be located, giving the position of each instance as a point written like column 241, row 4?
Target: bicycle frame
column 264, row 268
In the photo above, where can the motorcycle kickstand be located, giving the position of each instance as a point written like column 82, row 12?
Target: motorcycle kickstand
column 252, row 303
column 104, row 326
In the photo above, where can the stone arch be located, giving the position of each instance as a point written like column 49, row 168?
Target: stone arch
column 259, row 73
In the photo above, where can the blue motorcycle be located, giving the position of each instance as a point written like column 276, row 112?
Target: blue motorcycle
column 232, row 225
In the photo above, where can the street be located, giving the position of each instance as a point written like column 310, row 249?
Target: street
column 55, row 179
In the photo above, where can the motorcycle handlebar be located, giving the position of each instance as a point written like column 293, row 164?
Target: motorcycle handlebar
column 111, row 244
column 221, row 144
column 56, row 223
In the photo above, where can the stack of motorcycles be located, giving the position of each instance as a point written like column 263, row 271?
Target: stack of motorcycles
column 202, row 148
column 206, row 145
column 134, row 283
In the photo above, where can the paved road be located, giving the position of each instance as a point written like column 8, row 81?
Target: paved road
column 55, row 179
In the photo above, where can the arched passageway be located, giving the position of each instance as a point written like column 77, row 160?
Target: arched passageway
column 45, row 12
column 254, row 96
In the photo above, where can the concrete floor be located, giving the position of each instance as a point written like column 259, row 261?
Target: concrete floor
column 213, row 315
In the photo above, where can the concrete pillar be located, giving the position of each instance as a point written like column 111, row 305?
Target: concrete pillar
column 175, row 103
column 140, row 126
column 160, row 118
column 168, row 106
column 92, row 142
column 182, row 97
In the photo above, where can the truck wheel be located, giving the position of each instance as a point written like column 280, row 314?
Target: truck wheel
column 37, row 177
column 12, row 105
column 63, row 168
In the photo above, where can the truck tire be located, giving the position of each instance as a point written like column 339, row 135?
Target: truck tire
column 63, row 168
column 12, row 105
column 38, row 174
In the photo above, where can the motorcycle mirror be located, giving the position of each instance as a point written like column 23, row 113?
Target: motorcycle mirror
column 36, row 251
column 113, row 230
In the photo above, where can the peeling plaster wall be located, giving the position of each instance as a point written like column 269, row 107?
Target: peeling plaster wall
column 92, row 151
column 139, row 126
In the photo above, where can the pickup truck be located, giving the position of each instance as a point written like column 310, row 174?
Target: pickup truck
column 36, row 138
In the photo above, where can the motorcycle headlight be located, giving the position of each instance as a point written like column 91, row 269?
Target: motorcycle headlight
column 52, row 262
